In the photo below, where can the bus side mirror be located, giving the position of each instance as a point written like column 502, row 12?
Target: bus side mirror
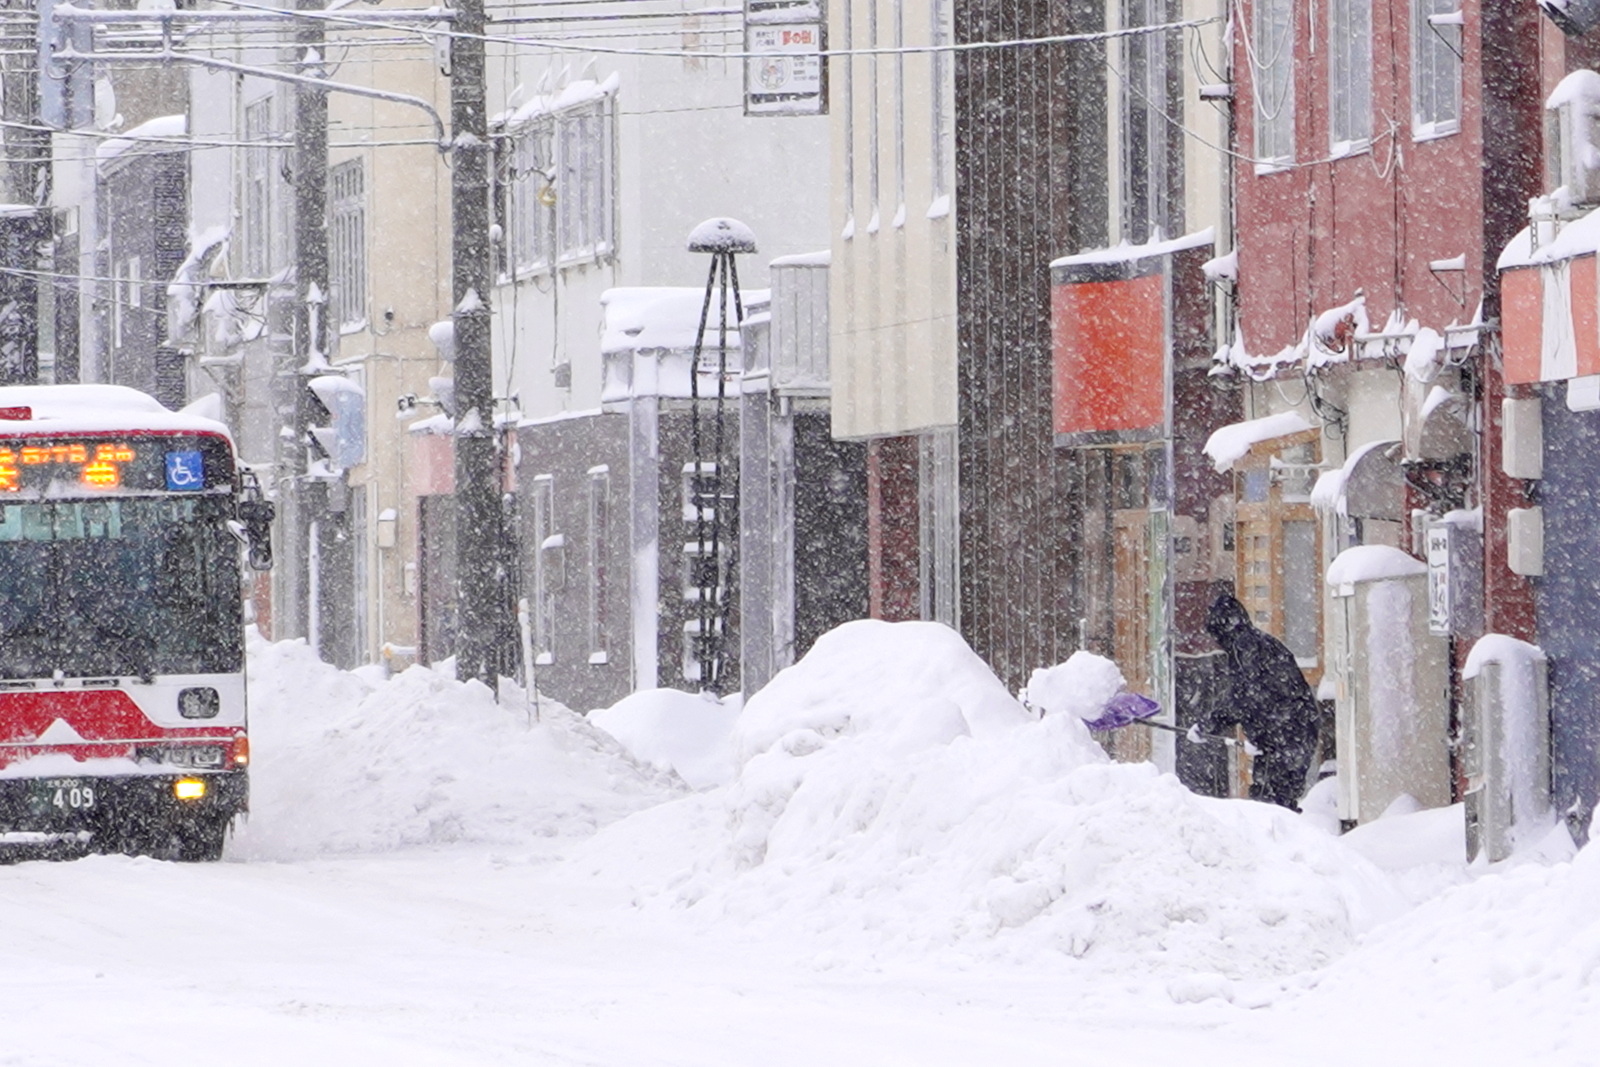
column 257, row 516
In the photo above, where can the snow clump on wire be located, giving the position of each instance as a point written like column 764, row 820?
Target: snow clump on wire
column 891, row 793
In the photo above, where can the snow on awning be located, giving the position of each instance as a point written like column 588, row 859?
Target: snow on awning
column 1368, row 485
column 1229, row 444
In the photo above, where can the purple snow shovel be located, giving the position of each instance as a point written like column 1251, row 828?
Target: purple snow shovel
column 1122, row 709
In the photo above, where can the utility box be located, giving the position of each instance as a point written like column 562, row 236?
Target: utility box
column 1522, row 437
column 1391, row 686
column 1505, row 745
column 1525, row 541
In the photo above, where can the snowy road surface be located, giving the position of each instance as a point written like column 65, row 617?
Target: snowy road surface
column 430, row 878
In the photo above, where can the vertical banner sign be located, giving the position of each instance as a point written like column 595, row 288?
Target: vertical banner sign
column 783, row 71
column 1439, row 606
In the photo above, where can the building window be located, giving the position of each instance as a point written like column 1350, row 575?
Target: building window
column 532, row 209
column 546, row 559
column 942, row 136
column 849, row 122
column 256, row 224
column 900, row 114
column 347, row 244
column 118, row 289
column 135, row 297
column 1270, row 50
column 1435, row 68
column 562, row 187
column 1152, row 158
column 874, row 119
column 583, row 185
column 599, row 556
column 1349, row 75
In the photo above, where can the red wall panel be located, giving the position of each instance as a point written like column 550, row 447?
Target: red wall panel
column 1109, row 342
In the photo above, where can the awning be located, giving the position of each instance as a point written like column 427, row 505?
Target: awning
column 1229, row 444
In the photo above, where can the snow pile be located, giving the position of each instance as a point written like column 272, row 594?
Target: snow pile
column 1081, row 686
column 893, row 797
column 1511, row 957
column 686, row 733
column 350, row 762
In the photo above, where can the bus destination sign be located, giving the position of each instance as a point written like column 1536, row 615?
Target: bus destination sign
column 165, row 463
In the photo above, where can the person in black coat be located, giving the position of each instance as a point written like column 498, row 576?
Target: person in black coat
column 1269, row 698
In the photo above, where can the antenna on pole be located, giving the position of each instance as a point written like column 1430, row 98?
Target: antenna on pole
column 714, row 525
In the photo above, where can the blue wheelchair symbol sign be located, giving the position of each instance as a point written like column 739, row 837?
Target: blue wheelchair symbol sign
column 186, row 471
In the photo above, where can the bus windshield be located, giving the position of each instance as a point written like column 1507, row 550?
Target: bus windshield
column 119, row 586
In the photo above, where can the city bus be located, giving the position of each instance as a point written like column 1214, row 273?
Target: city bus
column 124, row 528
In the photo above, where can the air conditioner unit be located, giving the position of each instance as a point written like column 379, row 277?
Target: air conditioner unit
column 1506, row 746
column 1576, row 106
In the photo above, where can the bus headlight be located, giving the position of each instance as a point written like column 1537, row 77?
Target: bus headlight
column 189, row 788
column 199, row 702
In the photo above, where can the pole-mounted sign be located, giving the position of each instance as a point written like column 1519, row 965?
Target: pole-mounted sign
column 783, row 70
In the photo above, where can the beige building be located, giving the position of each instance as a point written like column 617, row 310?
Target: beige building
column 389, row 274
column 892, row 290
column 389, row 249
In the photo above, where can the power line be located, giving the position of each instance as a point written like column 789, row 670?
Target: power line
column 559, row 46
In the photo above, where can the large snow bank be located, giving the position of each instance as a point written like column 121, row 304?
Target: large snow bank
column 686, row 733
column 1511, row 957
column 893, row 796
column 350, row 762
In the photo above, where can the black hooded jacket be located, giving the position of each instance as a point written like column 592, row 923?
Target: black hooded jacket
column 1268, row 696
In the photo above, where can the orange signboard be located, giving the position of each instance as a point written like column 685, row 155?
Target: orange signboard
column 1109, row 346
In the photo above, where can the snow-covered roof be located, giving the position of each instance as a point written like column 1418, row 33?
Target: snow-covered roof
column 664, row 317
column 160, row 131
column 804, row 259
column 573, row 94
column 68, row 409
column 1229, row 444
column 1127, row 253
column 1372, row 563
column 560, row 416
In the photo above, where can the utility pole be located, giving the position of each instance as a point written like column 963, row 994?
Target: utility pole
column 302, row 500
column 479, row 541
column 28, row 151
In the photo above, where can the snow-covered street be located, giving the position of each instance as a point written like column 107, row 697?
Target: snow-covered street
column 430, row 878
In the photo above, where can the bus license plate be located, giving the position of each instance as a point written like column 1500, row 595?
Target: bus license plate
column 63, row 796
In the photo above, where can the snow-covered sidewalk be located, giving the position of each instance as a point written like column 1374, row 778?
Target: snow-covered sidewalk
column 903, row 867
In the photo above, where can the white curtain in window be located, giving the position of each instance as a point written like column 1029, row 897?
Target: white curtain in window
column 1350, row 74
column 1436, row 67
column 1270, row 47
